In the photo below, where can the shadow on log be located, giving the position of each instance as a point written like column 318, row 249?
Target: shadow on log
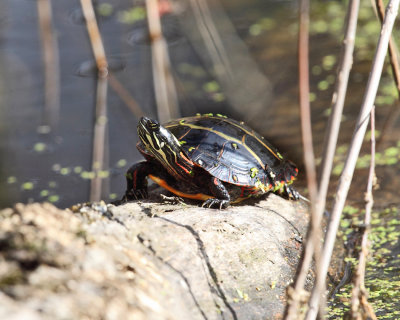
column 147, row 260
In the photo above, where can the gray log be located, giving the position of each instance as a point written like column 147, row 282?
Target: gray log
column 148, row 260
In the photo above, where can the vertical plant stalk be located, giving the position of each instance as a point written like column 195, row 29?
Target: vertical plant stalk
column 360, row 308
column 330, row 139
column 164, row 86
column 314, row 234
column 51, row 66
column 100, row 126
column 351, row 159
column 394, row 61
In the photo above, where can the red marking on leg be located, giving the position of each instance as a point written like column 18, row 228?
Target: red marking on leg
column 134, row 179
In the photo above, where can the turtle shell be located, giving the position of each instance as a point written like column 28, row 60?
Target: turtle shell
column 230, row 150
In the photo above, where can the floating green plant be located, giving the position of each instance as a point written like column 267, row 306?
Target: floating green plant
column 27, row 186
column 132, row 15
column 382, row 279
column 105, row 9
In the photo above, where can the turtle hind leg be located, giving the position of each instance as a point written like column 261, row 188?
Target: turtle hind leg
column 218, row 190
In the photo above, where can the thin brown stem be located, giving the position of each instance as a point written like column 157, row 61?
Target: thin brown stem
column 351, row 159
column 394, row 61
column 314, row 234
column 359, row 294
column 100, row 127
column 332, row 133
column 164, row 86
column 51, row 66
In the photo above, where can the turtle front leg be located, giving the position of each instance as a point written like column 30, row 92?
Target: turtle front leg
column 136, row 182
column 217, row 189
column 290, row 193
column 136, row 179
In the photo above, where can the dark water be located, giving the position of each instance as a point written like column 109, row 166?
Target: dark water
column 56, row 166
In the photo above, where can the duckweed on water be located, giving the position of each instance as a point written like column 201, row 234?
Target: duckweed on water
column 78, row 169
column 44, row 193
column 105, row 9
column 27, row 186
column 328, row 62
column 53, row 198
column 11, row 180
column 121, row 163
column 113, row 196
column 39, row 147
column 382, row 275
column 262, row 25
column 211, row 86
column 132, row 15
column 390, row 156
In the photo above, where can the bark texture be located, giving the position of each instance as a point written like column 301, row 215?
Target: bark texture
column 147, row 260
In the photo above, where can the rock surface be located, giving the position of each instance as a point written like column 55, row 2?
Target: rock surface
column 147, row 260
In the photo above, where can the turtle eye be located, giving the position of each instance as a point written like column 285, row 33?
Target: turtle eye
column 149, row 124
column 154, row 126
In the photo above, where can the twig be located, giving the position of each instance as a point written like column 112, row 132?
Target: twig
column 354, row 150
column 51, row 67
column 164, row 86
column 314, row 234
column 100, row 127
column 359, row 294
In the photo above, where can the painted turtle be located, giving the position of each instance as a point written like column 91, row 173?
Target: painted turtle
column 210, row 158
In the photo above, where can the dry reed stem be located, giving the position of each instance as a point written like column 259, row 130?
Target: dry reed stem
column 359, row 302
column 394, row 61
column 164, row 86
column 51, row 66
column 314, row 234
column 100, row 127
column 330, row 143
column 354, row 150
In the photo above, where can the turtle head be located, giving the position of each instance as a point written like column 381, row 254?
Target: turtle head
column 165, row 147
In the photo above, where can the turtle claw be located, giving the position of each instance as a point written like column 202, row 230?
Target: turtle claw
column 137, row 194
column 215, row 203
column 173, row 199
column 290, row 193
